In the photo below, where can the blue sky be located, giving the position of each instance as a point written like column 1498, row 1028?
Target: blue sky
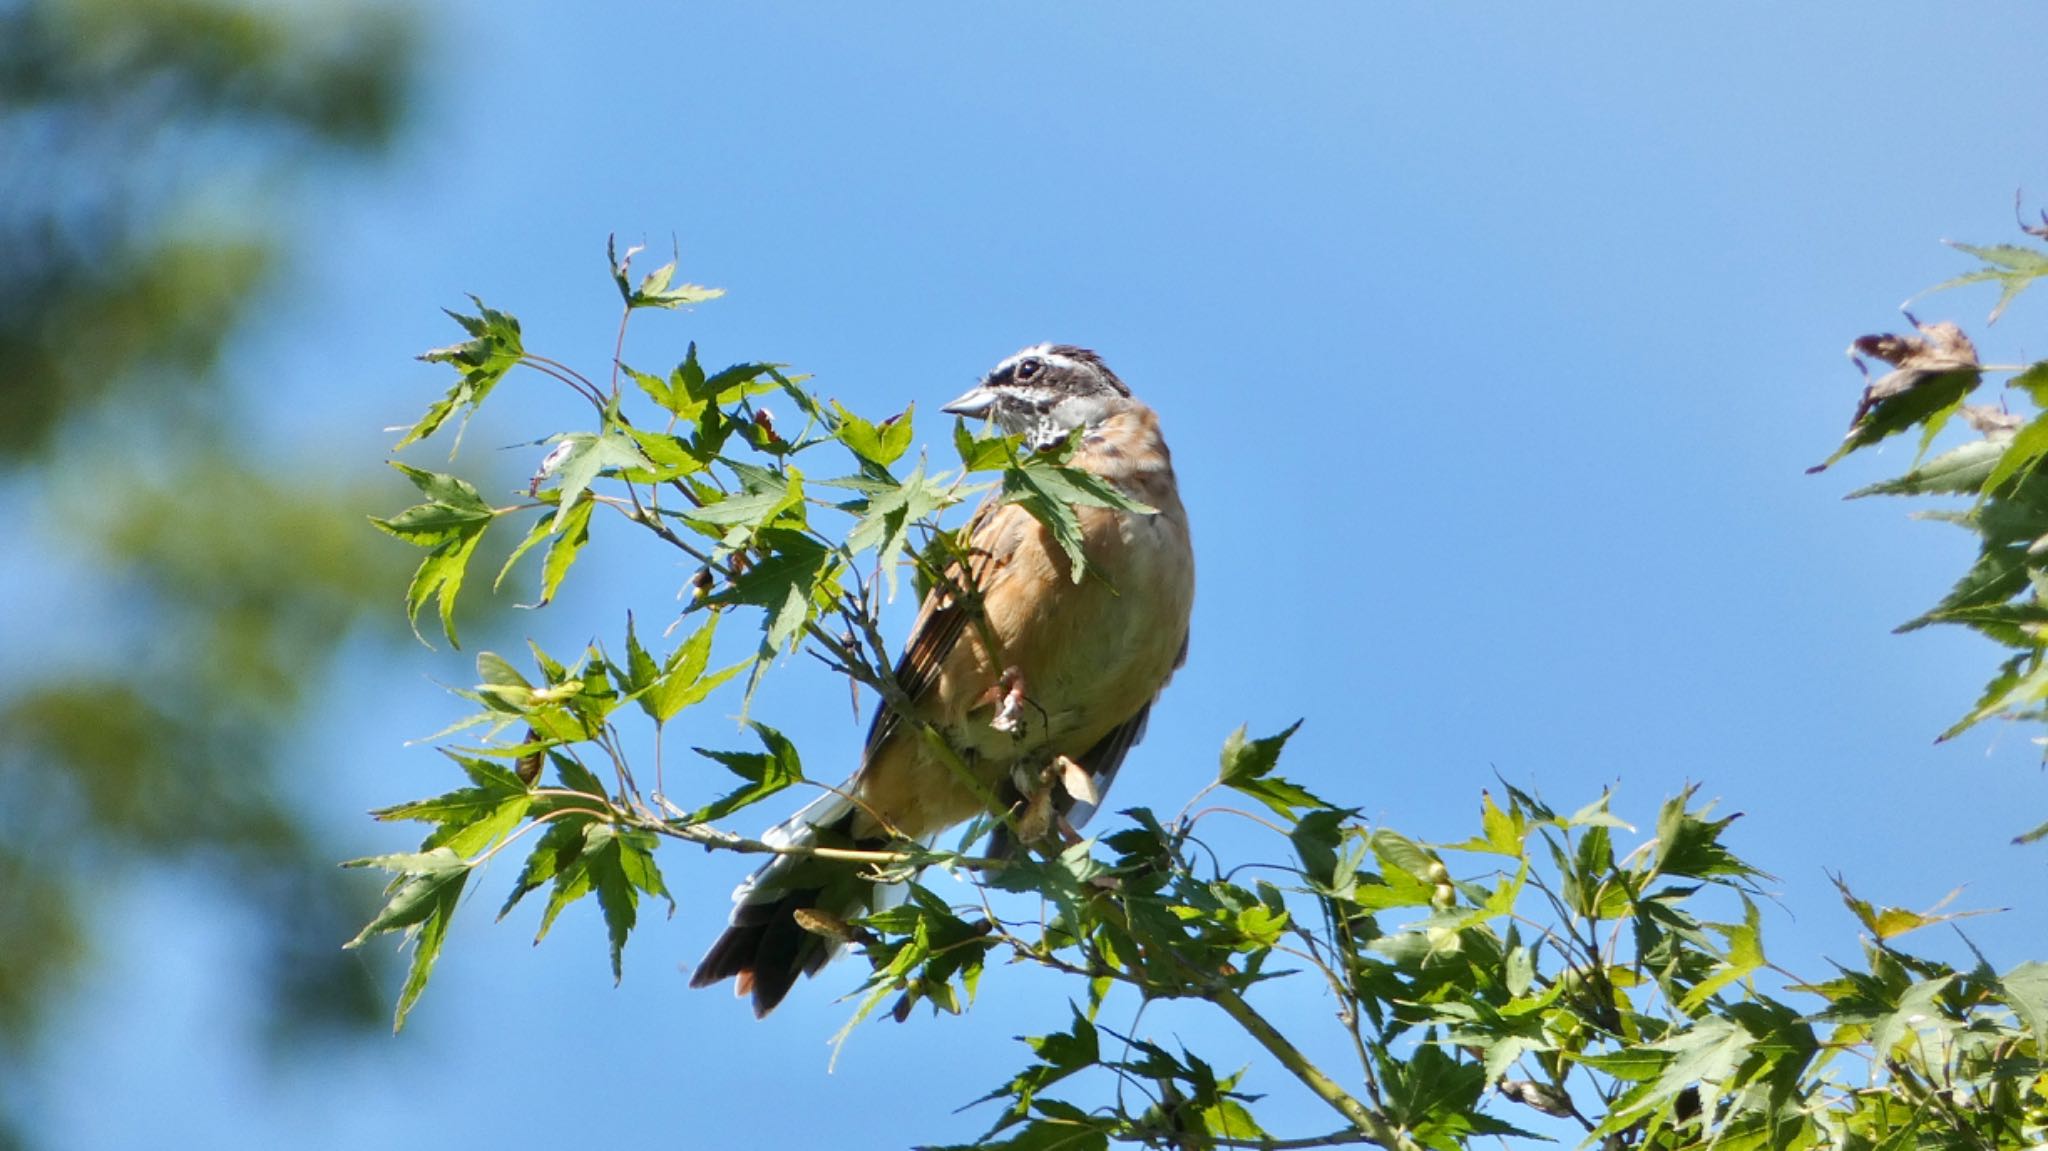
column 1491, row 342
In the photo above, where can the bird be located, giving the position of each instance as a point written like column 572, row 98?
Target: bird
column 1022, row 669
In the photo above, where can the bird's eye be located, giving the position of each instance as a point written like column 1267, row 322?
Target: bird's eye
column 1029, row 367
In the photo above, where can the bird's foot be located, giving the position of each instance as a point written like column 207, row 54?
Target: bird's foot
column 1009, row 694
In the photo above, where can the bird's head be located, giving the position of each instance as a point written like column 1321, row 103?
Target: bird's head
column 1044, row 392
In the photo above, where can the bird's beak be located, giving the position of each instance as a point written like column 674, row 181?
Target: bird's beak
column 975, row 403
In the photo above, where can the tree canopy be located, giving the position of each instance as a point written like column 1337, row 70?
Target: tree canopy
column 142, row 220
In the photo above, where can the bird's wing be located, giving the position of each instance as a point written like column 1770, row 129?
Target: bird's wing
column 1103, row 760
column 950, row 606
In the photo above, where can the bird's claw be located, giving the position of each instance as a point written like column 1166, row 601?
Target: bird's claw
column 1009, row 717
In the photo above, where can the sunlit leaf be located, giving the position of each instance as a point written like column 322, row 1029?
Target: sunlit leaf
column 572, row 531
column 492, row 350
column 2010, row 266
column 587, row 457
column 422, row 897
column 1960, row 471
column 765, row 773
column 882, row 445
column 764, row 500
column 789, row 581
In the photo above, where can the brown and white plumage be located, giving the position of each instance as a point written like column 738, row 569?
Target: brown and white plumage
column 1088, row 657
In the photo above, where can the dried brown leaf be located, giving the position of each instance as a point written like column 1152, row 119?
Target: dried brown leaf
column 1993, row 422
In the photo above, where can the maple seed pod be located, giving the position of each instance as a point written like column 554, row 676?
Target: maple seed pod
column 1542, row 1096
column 1437, row 872
column 820, row 923
column 700, row 584
column 765, row 420
column 528, row 766
column 1443, row 897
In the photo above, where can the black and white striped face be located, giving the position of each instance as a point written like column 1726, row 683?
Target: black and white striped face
column 1044, row 392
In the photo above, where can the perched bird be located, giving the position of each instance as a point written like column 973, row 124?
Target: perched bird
column 1013, row 661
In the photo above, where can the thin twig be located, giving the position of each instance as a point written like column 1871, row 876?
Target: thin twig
column 565, row 374
column 1346, row 996
column 1333, row 1139
column 619, row 350
column 1368, row 1122
column 719, row 840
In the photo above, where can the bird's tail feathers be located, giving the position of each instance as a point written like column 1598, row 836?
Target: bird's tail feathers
column 830, row 813
column 766, row 948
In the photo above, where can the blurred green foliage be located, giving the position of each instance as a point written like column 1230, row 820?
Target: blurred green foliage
column 147, row 156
